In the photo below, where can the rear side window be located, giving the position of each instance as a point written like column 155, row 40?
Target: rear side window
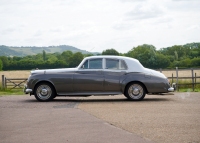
column 115, row 64
column 112, row 64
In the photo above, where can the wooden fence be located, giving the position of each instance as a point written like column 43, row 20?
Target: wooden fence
column 175, row 79
column 13, row 83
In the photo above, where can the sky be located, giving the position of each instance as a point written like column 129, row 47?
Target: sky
column 97, row 25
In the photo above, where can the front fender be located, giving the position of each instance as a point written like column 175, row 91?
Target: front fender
column 35, row 79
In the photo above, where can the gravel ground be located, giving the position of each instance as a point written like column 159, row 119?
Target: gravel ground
column 158, row 118
column 24, row 120
column 167, row 119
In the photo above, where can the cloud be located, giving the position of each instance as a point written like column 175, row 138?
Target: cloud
column 123, row 25
column 119, row 24
column 184, row 5
column 55, row 30
column 38, row 33
column 144, row 12
column 185, row 0
column 133, row 0
column 194, row 27
column 8, row 31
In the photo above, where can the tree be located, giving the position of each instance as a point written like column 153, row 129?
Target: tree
column 195, row 62
column 5, row 61
column 110, row 52
column 146, row 54
column 185, row 63
column 65, row 56
column 44, row 55
column 51, row 58
column 176, row 55
column 1, row 65
column 75, row 59
column 161, row 61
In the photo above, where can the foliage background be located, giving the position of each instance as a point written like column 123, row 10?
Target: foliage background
column 182, row 56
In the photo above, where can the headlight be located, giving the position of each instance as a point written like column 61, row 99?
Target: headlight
column 28, row 78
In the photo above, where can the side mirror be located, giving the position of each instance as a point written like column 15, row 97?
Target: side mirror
column 82, row 66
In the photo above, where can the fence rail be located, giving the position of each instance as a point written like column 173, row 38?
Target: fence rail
column 176, row 78
column 13, row 83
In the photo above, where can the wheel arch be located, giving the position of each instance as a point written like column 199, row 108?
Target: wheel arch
column 131, row 82
column 45, row 81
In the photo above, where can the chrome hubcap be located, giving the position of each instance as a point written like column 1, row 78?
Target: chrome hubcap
column 43, row 92
column 135, row 91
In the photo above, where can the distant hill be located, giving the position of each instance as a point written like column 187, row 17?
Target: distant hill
column 24, row 51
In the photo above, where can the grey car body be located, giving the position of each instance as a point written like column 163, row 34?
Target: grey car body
column 98, row 75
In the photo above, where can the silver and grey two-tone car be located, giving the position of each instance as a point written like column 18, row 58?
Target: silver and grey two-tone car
column 98, row 75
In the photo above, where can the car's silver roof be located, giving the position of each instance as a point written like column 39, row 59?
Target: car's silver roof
column 133, row 64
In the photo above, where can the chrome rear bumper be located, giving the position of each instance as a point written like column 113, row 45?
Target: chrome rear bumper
column 171, row 89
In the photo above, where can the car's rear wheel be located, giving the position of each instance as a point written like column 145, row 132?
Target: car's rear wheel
column 44, row 92
column 135, row 91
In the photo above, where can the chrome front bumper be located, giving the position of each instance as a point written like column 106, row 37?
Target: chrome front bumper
column 27, row 90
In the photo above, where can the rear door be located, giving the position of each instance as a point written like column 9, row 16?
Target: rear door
column 114, row 72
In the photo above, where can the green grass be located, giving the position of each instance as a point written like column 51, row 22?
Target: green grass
column 11, row 92
column 189, row 90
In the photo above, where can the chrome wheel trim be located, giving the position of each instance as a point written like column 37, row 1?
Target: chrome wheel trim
column 44, row 92
column 135, row 91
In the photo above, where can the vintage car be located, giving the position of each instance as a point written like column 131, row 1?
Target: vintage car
column 98, row 75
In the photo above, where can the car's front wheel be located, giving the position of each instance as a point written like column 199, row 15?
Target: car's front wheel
column 135, row 91
column 44, row 92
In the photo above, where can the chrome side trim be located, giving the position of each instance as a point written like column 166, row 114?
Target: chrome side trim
column 89, row 93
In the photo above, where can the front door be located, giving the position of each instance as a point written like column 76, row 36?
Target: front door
column 89, row 78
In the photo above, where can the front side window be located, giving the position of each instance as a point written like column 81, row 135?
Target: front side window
column 92, row 64
column 95, row 64
column 85, row 65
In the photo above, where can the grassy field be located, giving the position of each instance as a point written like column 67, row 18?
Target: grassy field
column 181, row 73
column 14, row 74
column 167, row 73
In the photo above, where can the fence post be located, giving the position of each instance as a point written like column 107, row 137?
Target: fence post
column 172, row 78
column 177, row 79
column 195, row 80
column 3, row 82
column 192, row 79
